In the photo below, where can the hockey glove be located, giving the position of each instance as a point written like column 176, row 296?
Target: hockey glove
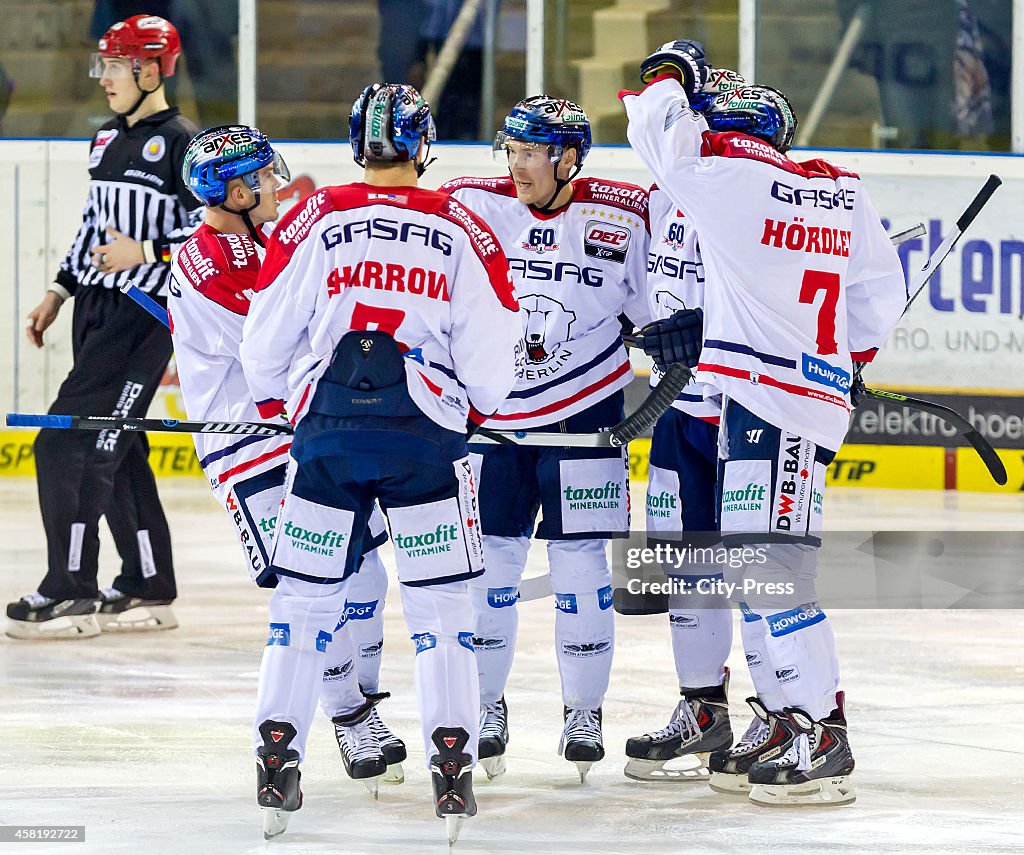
column 677, row 338
column 683, row 56
column 857, row 385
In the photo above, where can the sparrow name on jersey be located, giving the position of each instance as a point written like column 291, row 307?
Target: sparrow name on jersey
column 382, row 228
column 389, row 277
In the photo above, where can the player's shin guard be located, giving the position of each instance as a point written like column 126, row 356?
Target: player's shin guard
column 701, row 629
column 340, row 693
column 803, row 653
column 584, row 620
column 303, row 616
column 447, row 685
column 366, row 594
column 759, row 663
column 496, row 613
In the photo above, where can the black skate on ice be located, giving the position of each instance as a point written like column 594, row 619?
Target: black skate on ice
column 277, row 776
column 699, row 726
column 493, row 738
column 768, row 737
column 119, row 612
column 816, row 768
column 391, row 746
column 35, row 617
column 582, row 742
column 360, row 749
column 453, row 779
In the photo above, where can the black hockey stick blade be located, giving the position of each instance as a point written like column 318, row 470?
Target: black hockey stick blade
column 654, row 405
column 164, row 425
column 981, row 445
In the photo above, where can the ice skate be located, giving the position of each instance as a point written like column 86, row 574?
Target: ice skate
column 768, row 736
column 391, row 747
column 277, row 777
column 453, row 779
column 35, row 617
column 360, row 749
column 816, row 768
column 120, row 613
column 493, row 738
column 582, row 742
column 699, row 725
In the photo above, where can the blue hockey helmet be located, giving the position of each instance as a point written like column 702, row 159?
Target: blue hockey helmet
column 388, row 124
column 219, row 154
column 555, row 122
column 759, row 111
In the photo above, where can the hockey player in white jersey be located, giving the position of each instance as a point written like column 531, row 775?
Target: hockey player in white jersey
column 385, row 318
column 681, row 514
column 577, row 251
column 805, row 284
column 235, row 172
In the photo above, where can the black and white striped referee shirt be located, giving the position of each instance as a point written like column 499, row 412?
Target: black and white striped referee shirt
column 136, row 188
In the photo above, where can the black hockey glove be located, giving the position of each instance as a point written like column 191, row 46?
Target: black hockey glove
column 857, row 385
column 677, row 338
column 683, row 55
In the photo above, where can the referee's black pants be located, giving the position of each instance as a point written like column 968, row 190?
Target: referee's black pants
column 120, row 355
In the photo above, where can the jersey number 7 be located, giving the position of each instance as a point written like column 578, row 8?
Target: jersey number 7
column 813, row 282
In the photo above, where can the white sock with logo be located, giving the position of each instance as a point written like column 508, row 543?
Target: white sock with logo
column 340, row 693
column 369, row 588
column 440, row 619
column 303, row 616
column 803, row 652
column 496, row 613
column 759, row 663
column 701, row 638
column 584, row 619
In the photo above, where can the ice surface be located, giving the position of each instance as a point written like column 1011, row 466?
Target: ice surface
column 145, row 739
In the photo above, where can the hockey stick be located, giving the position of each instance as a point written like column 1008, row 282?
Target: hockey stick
column 908, row 234
column 137, row 295
column 952, row 236
column 605, row 439
column 985, row 450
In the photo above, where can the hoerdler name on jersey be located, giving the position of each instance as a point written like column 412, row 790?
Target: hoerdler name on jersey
column 383, row 228
column 797, row 237
column 814, row 197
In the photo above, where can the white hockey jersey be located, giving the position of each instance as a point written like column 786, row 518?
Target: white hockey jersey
column 675, row 280
column 802, row 278
column 411, row 262
column 575, row 271
column 212, row 277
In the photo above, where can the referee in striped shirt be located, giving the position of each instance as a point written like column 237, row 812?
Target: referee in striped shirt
column 137, row 211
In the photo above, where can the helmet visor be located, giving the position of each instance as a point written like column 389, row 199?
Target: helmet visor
column 111, row 67
column 521, row 153
column 279, row 171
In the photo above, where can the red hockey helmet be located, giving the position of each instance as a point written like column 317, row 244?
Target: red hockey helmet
column 140, row 38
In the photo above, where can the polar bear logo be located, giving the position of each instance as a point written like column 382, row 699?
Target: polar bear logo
column 669, row 302
column 547, row 326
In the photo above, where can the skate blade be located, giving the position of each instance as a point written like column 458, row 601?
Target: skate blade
column 685, row 769
column 395, row 774
column 372, row 785
column 275, row 821
column 139, row 619
column 64, row 628
column 729, row 784
column 454, row 826
column 583, row 767
column 826, row 792
column 495, row 767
